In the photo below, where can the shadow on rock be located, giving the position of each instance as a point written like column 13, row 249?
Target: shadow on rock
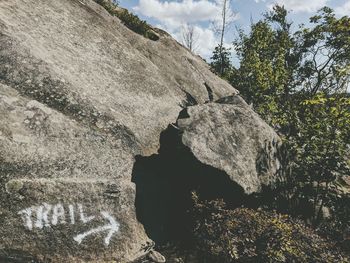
column 164, row 183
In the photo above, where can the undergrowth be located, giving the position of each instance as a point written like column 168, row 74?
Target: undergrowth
column 247, row 235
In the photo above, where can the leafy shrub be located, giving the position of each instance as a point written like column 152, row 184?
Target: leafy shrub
column 130, row 20
column 108, row 5
column 306, row 99
column 246, row 235
column 137, row 25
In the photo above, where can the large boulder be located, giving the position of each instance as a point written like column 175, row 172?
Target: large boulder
column 80, row 96
column 231, row 137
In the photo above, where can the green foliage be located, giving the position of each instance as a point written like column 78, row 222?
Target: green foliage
column 321, row 149
column 220, row 61
column 297, row 82
column 108, row 5
column 137, row 25
column 132, row 21
column 246, row 235
column 326, row 47
column 267, row 65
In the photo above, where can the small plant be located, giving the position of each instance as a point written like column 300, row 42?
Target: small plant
column 137, row 25
column 130, row 20
column 108, row 5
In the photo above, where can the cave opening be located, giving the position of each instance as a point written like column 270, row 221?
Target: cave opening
column 164, row 182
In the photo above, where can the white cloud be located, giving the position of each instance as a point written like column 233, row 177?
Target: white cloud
column 171, row 15
column 174, row 13
column 297, row 6
column 344, row 9
column 206, row 42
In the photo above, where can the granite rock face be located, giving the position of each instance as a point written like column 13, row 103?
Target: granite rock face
column 59, row 180
column 80, row 96
column 229, row 136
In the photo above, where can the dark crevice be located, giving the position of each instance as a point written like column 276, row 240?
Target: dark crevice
column 189, row 101
column 210, row 92
column 184, row 114
column 164, row 183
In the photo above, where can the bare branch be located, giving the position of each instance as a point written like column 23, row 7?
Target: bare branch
column 190, row 37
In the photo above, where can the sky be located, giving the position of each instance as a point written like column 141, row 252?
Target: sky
column 172, row 15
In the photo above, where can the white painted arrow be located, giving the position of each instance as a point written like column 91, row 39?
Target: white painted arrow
column 113, row 227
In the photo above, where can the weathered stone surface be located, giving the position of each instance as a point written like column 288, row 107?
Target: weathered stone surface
column 49, row 162
column 75, row 57
column 80, row 96
column 156, row 257
column 231, row 137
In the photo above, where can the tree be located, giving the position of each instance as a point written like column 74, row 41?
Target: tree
column 298, row 82
column 220, row 27
column 267, row 65
column 190, row 37
column 221, row 61
column 322, row 147
column 327, row 46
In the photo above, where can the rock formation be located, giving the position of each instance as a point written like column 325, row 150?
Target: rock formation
column 231, row 137
column 80, row 96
